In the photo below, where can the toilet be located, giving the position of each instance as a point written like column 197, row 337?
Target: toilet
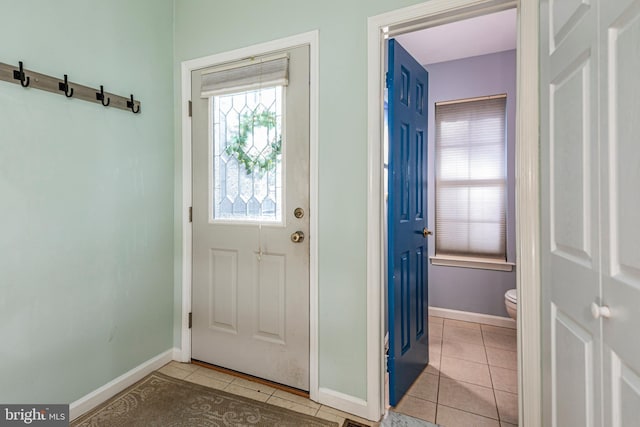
column 510, row 302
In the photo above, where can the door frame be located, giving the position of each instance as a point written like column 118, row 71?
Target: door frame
column 527, row 193
column 312, row 40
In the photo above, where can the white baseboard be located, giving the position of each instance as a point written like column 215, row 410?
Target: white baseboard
column 343, row 402
column 177, row 355
column 487, row 319
column 102, row 394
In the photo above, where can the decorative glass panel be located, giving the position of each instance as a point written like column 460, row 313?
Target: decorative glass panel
column 247, row 155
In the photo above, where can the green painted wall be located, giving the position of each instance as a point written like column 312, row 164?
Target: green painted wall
column 205, row 27
column 86, row 198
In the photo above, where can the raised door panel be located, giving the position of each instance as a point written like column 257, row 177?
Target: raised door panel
column 223, row 290
column 623, row 400
column 564, row 16
column 572, row 359
column 571, row 168
column 269, row 288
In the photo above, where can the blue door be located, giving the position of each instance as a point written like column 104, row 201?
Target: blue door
column 407, row 83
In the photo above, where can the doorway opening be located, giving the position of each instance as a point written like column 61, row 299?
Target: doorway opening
column 432, row 14
column 471, row 376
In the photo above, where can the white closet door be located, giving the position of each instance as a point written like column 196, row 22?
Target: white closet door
column 620, row 154
column 570, row 216
column 590, row 100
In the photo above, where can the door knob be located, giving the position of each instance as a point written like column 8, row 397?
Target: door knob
column 297, row 237
column 598, row 311
column 426, row 232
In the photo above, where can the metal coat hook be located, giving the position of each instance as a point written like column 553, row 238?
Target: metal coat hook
column 31, row 79
column 19, row 75
column 64, row 87
column 131, row 104
column 100, row 97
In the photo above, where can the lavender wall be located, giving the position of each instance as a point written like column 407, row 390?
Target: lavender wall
column 474, row 290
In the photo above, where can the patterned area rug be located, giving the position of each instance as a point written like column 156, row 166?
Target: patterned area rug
column 160, row 400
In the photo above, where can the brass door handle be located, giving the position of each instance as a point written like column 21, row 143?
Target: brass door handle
column 426, row 232
column 297, row 237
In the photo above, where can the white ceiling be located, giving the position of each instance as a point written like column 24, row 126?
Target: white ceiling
column 462, row 39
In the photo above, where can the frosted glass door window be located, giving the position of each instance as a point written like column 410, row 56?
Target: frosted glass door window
column 247, row 155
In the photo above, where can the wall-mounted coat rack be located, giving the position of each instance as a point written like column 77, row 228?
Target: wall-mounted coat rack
column 31, row 79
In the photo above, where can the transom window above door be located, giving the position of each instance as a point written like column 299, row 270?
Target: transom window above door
column 246, row 140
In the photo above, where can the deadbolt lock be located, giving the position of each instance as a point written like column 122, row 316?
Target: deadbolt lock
column 298, row 212
column 297, row 237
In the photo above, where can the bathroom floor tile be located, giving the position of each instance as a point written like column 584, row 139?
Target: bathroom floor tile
column 435, row 319
column 435, row 329
column 499, row 330
column 465, row 351
column 467, row 397
column 425, row 387
column 433, row 368
column 472, row 377
column 502, row 358
column 507, row 406
column 463, row 370
column 435, row 343
column 498, row 340
column 504, row 379
column 451, row 417
column 461, row 324
column 466, row 335
column 418, row 408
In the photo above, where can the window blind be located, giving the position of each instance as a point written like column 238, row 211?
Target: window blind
column 251, row 74
column 471, row 178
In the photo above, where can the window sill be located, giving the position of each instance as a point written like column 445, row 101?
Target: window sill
column 478, row 263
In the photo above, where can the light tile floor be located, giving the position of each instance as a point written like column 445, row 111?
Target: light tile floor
column 257, row 391
column 471, row 379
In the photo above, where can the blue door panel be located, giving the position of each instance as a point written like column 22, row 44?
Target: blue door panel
column 407, row 247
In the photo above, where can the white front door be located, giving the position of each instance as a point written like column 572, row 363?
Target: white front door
column 590, row 57
column 251, row 218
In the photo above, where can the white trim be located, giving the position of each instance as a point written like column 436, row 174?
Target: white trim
column 528, row 217
column 186, row 68
column 527, row 202
column 177, row 354
column 467, row 262
column 343, row 402
column 107, row 391
column 375, row 239
column 467, row 316
column 312, row 39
